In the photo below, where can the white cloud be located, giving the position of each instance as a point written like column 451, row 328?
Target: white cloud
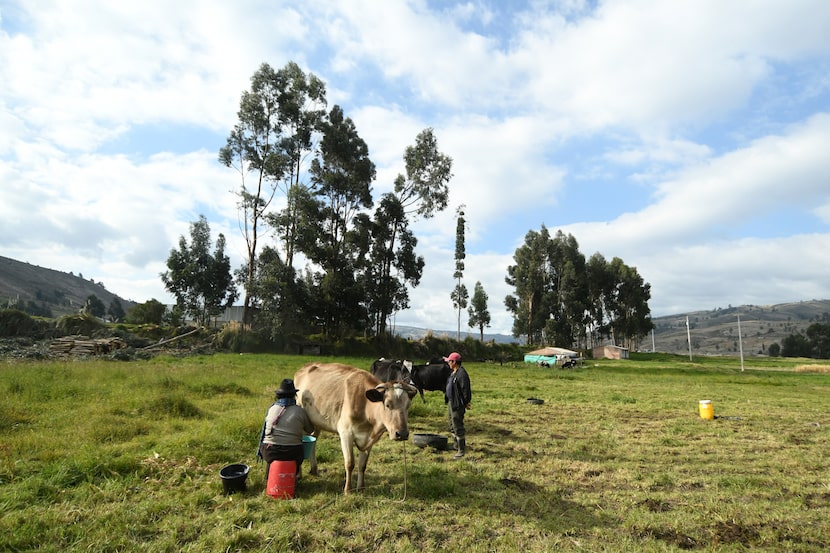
column 714, row 127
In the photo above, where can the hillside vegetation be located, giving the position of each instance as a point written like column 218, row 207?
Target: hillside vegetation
column 715, row 332
column 62, row 293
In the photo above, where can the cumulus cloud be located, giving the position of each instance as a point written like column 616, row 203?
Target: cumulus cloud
column 655, row 132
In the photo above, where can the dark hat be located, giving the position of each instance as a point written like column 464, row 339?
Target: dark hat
column 287, row 388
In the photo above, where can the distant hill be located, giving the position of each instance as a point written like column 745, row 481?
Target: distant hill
column 62, row 293
column 414, row 333
column 715, row 332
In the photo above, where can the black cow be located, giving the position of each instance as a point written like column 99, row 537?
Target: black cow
column 387, row 370
column 431, row 377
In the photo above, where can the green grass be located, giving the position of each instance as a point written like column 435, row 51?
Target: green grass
column 112, row 456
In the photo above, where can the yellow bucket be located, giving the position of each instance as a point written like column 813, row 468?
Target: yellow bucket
column 707, row 410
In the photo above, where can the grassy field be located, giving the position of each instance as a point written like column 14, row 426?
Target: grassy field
column 112, row 456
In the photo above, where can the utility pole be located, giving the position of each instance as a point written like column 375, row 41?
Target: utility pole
column 740, row 343
column 689, row 337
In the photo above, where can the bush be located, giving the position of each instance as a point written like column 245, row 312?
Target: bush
column 83, row 323
column 18, row 323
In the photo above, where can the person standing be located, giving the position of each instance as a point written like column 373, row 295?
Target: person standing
column 282, row 432
column 457, row 396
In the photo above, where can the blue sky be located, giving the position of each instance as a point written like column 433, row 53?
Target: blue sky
column 689, row 138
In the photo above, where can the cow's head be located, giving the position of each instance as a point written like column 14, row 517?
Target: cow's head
column 396, row 398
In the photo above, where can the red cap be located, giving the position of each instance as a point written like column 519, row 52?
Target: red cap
column 454, row 356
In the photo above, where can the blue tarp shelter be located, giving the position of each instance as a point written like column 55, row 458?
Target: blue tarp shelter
column 549, row 355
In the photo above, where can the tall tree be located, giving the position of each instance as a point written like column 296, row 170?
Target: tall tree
column 394, row 263
column 116, row 311
column 560, row 298
column 420, row 194
column 459, row 295
column 479, row 314
column 529, row 278
column 341, row 180
column 567, row 291
column 94, row 306
column 302, row 107
column 286, row 300
column 628, row 306
column 601, row 284
column 277, row 118
column 200, row 281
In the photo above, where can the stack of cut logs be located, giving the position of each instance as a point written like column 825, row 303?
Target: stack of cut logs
column 83, row 345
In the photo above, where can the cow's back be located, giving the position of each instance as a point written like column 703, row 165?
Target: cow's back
column 328, row 391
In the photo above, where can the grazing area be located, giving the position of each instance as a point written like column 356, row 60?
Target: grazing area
column 102, row 455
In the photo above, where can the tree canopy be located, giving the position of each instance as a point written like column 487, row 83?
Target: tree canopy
column 561, row 299
column 200, row 281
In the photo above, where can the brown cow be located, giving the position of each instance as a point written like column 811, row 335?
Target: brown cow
column 356, row 405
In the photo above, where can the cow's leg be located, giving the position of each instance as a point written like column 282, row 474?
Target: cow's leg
column 348, row 459
column 362, row 460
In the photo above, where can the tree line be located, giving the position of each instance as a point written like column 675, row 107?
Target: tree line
column 563, row 299
column 341, row 264
column 813, row 343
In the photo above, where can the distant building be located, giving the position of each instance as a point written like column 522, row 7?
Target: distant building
column 610, row 352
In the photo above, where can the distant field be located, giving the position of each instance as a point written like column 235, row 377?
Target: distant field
column 113, row 456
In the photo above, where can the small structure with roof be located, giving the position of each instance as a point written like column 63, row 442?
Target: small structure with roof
column 550, row 356
column 610, row 351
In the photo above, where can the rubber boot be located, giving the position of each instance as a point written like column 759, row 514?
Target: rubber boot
column 462, row 448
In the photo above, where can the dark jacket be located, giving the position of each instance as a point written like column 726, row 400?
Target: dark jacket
column 458, row 388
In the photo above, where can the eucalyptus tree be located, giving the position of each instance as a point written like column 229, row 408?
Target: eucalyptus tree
column 529, row 278
column 421, row 193
column 285, row 307
column 559, row 298
column 200, row 281
column 94, row 306
column 340, row 189
column 393, row 263
column 478, row 311
column 568, row 292
column 601, row 285
column 116, row 311
column 459, row 295
column 630, row 313
column 277, row 119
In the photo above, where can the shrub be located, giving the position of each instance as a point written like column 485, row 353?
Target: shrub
column 82, row 323
column 17, row 323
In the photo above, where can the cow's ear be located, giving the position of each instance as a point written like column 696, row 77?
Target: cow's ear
column 411, row 391
column 374, row 395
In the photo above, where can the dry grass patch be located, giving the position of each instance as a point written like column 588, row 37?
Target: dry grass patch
column 812, row 369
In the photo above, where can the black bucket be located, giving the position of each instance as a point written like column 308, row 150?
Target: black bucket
column 233, row 477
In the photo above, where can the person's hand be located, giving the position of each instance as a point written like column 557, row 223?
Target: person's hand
column 469, row 406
